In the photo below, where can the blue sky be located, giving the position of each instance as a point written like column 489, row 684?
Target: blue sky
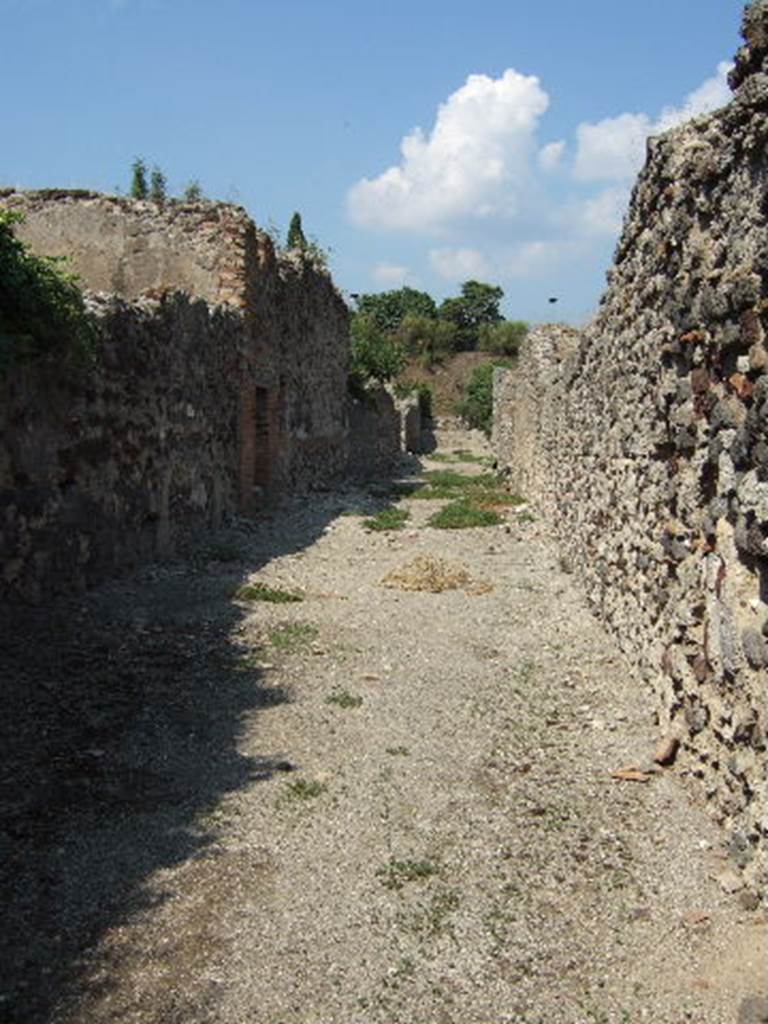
column 424, row 142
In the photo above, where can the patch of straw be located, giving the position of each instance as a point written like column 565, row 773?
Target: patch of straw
column 434, row 575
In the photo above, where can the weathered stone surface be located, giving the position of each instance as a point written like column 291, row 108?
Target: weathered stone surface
column 643, row 440
column 196, row 408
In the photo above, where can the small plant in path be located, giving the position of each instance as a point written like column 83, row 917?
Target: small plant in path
column 387, row 519
column 462, row 515
column 261, row 592
column 396, row 873
column 293, row 636
column 304, row 789
column 344, row 699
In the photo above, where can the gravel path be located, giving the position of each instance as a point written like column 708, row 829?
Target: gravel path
column 372, row 805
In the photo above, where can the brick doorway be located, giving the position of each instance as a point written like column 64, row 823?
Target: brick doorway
column 257, row 446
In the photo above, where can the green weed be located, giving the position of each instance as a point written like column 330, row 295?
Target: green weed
column 396, row 873
column 344, row 699
column 462, row 515
column 293, row 636
column 388, row 519
column 398, row 751
column 261, row 592
column 304, row 789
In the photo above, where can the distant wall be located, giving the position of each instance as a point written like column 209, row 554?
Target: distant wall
column 644, row 441
column 374, row 433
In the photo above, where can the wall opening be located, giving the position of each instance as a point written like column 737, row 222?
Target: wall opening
column 257, row 446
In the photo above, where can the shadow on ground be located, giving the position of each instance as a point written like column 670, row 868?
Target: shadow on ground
column 122, row 711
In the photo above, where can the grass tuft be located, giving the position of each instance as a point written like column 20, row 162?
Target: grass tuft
column 463, row 515
column 304, row 789
column 293, row 636
column 344, row 699
column 388, row 519
column 396, row 873
column 261, row 592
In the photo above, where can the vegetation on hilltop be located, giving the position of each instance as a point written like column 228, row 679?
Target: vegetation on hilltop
column 406, row 328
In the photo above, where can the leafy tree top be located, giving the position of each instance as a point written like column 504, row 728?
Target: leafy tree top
column 374, row 354
column 478, row 304
column 389, row 309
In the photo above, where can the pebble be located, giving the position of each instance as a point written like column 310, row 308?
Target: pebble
column 730, row 881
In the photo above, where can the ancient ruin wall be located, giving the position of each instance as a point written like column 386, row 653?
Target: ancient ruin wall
column 292, row 407
column 106, row 465
column 221, row 383
column 129, row 247
column 644, row 441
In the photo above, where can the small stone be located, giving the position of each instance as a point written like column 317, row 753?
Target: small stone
column 753, row 1010
column 640, row 914
column 666, row 751
column 730, row 881
column 755, row 648
column 749, row 900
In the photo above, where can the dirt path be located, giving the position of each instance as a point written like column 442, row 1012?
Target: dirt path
column 373, row 805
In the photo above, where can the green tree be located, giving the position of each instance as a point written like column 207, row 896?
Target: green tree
column 375, row 355
column 193, row 193
column 389, row 309
column 41, row 306
column 478, row 304
column 503, row 338
column 157, row 186
column 139, row 187
column 429, row 340
column 296, row 238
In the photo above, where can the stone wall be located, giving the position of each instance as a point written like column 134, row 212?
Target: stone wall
column 644, row 441
column 375, row 429
column 220, row 383
column 292, row 405
column 104, row 466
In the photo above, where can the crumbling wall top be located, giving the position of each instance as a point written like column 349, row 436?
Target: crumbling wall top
column 752, row 58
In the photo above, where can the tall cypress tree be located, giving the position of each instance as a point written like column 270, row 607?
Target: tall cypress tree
column 296, row 238
column 139, row 187
column 157, row 186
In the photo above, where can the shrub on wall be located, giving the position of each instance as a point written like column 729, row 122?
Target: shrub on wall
column 375, row 355
column 41, row 306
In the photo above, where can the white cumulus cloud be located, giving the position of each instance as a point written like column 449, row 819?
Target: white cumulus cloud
column 492, row 201
column 614, row 149
column 711, row 94
column 474, row 163
column 551, row 156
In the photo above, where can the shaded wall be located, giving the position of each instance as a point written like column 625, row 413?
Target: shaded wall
column 292, row 409
column 644, row 440
column 104, row 466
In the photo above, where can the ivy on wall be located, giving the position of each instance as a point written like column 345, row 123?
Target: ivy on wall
column 42, row 311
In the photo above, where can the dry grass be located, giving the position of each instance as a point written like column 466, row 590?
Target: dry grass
column 434, row 575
